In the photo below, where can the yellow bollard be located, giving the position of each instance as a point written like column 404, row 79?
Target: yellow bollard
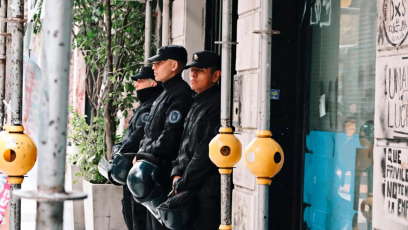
column 18, row 153
column 264, row 157
column 225, row 151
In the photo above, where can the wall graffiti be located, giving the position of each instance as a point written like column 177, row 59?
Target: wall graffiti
column 394, row 21
column 392, row 97
column 396, row 184
column 390, row 206
column 320, row 12
column 397, row 105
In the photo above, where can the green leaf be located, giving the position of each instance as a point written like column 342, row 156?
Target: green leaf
column 90, row 34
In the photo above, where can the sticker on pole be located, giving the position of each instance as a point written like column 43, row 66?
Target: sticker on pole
column 4, row 196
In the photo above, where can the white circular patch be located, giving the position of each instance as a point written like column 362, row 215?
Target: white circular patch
column 174, row 116
column 144, row 117
column 251, row 157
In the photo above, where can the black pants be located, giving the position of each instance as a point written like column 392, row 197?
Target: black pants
column 207, row 214
column 133, row 212
column 153, row 224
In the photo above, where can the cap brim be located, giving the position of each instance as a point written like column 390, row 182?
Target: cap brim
column 157, row 58
column 138, row 76
column 195, row 64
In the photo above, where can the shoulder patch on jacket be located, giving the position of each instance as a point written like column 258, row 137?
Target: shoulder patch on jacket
column 144, row 117
column 174, row 116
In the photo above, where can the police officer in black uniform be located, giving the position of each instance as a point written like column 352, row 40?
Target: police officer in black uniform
column 165, row 123
column 193, row 169
column 147, row 90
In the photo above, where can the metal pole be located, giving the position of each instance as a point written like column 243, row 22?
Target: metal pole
column 166, row 23
column 225, row 105
column 265, row 81
column 148, row 31
column 14, row 209
column 264, row 95
column 225, row 199
column 7, row 83
column 263, row 212
column 3, row 29
column 56, row 29
column 226, row 63
column 16, row 87
column 16, row 56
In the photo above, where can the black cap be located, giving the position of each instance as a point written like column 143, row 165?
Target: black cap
column 175, row 52
column 145, row 73
column 205, row 59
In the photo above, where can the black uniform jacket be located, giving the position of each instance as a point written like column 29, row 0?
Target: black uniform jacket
column 129, row 145
column 165, row 124
column 193, row 163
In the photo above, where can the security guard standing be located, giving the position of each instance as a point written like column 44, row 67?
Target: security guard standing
column 164, row 127
column 193, row 169
column 147, row 90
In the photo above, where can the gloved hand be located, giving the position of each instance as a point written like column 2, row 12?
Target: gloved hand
column 115, row 150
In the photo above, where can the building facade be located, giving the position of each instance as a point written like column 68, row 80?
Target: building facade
column 338, row 107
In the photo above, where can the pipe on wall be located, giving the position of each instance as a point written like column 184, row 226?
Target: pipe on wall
column 166, row 23
column 226, row 63
column 266, row 53
column 16, row 29
column 148, row 31
column 3, row 30
column 264, row 105
column 226, row 44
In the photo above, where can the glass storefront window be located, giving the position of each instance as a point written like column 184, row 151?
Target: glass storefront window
column 340, row 56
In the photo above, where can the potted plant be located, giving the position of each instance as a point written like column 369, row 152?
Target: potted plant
column 103, row 207
column 86, row 149
column 88, row 140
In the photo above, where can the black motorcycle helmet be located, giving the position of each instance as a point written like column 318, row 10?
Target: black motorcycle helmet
column 144, row 181
column 177, row 211
column 118, row 169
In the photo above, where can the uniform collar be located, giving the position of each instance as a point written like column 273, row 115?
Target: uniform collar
column 169, row 83
column 207, row 94
column 149, row 93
